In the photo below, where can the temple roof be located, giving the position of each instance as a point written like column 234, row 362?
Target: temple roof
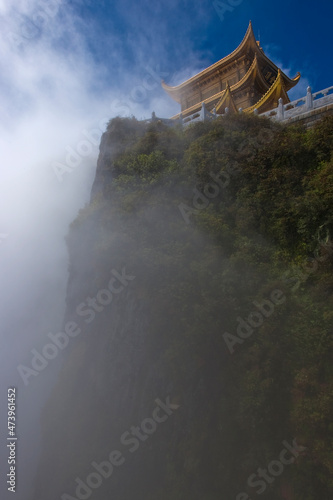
column 277, row 90
column 226, row 101
column 249, row 42
column 254, row 76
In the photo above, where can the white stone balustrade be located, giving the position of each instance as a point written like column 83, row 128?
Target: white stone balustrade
column 300, row 106
column 283, row 112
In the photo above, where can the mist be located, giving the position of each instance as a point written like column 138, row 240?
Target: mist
column 55, row 102
column 61, row 81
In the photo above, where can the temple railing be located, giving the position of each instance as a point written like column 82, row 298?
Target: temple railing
column 300, row 106
column 199, row 116
column 283, row 112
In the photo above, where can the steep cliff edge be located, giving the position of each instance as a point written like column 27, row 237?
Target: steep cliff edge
column 194, row 347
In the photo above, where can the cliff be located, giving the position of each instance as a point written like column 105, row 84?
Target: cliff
column 199, row 313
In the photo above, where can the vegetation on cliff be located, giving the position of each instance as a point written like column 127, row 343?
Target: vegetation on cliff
column 227, row 227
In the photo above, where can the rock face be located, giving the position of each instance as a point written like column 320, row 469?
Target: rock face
column 116, row 371
column 152, row 402
column 108, row 384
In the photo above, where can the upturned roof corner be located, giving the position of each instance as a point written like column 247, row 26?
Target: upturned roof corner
column 245, row 79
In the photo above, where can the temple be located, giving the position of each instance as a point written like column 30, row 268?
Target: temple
column 246, row 79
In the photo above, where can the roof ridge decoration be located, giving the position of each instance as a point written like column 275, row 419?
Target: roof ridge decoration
column 253, row 70
column 277, row 87
column 229, row 57
column 226, row 101
column 245, row 76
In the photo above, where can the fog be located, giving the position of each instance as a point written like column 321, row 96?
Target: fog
column 52, row 116
column 55, row 101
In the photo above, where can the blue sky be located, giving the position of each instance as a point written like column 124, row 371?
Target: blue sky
column 66, row 68
column 184, row 35
column 105, row 47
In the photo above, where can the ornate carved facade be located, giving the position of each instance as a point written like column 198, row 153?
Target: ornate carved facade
column 245, row 79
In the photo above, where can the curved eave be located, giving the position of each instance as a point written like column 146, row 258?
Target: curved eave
column 248, row 40
column 277, row 90
column 252, row 75
column 171, row 91
column 255, row 75
column 289, row 82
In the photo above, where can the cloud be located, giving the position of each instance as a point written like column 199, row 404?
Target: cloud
column 48, row 97
column 61, row 76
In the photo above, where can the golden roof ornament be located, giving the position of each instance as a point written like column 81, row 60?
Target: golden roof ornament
column 245, row 79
